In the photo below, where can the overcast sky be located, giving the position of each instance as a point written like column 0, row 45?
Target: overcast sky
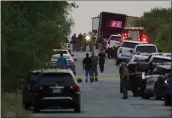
column 88, row 9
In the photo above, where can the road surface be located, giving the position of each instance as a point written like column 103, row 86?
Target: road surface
column 103, row 99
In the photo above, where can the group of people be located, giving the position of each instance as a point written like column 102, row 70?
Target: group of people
column 90, row 64
column 80, row 43
column 129, row 80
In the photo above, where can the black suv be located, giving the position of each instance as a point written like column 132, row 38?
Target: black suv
column 56, row 88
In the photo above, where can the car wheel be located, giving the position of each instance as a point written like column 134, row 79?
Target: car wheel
column 26, row 106
column 167, row 101
column 156, row 94
column 117, row 62
column 36, row 109
column 77, row 108
column 144, row 96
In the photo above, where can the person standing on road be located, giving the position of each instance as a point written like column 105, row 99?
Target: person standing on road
column 61, row 62
column 95, row 63
column 88, row 66
column 124, row 80
column 74, row 42
column 102, row 57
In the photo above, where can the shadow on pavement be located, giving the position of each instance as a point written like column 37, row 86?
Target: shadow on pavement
column 56, row 111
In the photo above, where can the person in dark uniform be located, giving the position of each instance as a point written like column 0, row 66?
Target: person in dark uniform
column 95, row 63
column 87, row 66
column 134, row 82
column 124, row 80
column 121, row 70
column 102, row 57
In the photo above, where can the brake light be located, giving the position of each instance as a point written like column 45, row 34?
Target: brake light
column 76, row 87
column 124, row 36
column 144, row 38
column 38, row 87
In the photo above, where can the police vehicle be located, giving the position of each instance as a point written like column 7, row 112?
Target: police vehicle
column 143, row 50
column 155, row 82
column 124, row 51
column 53, row 88
column 146, row 65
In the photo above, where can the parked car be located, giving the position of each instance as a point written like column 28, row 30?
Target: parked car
column 56, row 88
column 168, row 93
column 155, row 82
column 123, row 52
column 70, row 61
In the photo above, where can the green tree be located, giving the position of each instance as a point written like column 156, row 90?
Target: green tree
column 157, row 24
column 30, row 30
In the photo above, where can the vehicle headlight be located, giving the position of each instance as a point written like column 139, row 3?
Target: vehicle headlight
column 166, row 81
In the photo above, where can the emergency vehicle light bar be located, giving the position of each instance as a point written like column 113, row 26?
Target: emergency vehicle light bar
column 134, row 28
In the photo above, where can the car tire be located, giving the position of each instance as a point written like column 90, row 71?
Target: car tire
column 77, row 108
column 167, row 101
column 155, row 94
column 144, row 96
column 117, row 62
column 36, row 109
column 26, row 106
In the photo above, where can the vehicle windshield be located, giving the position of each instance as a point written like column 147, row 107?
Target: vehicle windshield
column 162, row 61
column 129, row 44
column 63, row 79
column 115, row 38
column 146, row 49
column 65, row 56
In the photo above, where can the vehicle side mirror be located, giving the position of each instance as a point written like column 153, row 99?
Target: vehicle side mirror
column 131, row 51
column 79, row 80
column 72, row 55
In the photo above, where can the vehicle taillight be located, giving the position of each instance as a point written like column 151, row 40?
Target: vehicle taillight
column 76, row 87
column 124, row 36
column 144, row 38
column 38, row 87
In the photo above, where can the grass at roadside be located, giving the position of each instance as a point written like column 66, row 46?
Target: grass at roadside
column 12, row 105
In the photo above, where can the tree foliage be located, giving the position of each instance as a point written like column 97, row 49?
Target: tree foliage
column 30, row 30
column 157, row 24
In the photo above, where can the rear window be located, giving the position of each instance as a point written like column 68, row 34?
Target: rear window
column 146, row 49
column 115, row 38
column 34, row 76
column 129, row 44
column 58, row 52
column 63, row 79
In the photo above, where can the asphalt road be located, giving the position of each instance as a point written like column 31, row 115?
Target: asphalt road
column 103, row 99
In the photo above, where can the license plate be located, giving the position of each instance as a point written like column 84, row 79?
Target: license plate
column 56, row 90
